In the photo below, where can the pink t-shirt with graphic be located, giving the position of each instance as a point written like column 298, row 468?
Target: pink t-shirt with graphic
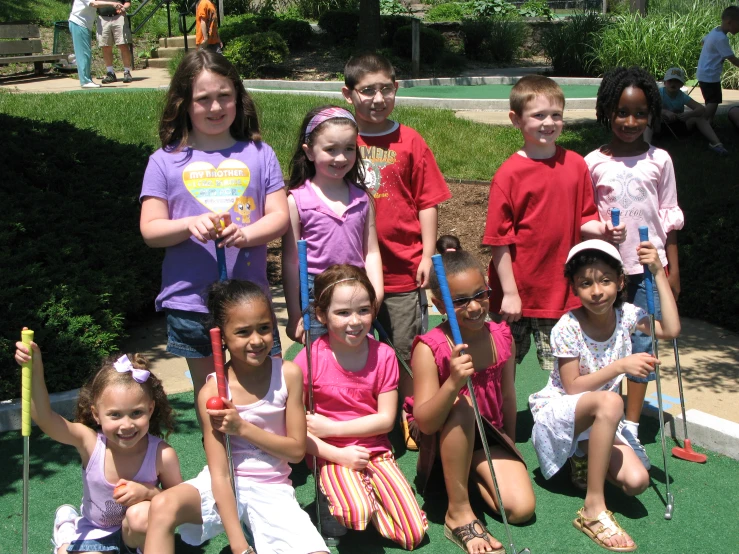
column 643, row 187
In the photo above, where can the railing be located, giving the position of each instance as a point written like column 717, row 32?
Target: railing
column 183, row 22
column 158, row 4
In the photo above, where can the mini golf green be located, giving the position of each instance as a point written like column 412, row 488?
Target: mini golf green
column 486, row 92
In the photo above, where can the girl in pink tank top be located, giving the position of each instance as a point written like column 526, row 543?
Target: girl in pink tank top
column 264, row 416
column 330, row 208
column 443, row 419
column 122, row 413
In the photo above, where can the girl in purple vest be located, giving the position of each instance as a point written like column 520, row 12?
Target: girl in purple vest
column 122, row 413
column 330, row 209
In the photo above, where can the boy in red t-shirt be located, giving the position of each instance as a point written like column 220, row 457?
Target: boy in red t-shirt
column 206, row 27
column 541, row 205
column 407, row 185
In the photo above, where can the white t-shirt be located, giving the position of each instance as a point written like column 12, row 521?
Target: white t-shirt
column 83, row 14
column 716, row 49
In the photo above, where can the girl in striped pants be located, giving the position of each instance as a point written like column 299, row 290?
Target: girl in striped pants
column 355, row 381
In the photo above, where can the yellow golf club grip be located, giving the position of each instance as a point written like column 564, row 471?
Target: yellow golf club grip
column 26, row 371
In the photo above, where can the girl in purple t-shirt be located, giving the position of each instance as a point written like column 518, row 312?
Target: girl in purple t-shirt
column 330, row 209
column 212, row 179
column 122, row 413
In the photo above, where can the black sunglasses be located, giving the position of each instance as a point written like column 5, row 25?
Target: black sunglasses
column 464, row 301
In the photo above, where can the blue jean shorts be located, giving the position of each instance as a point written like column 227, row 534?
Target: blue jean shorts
column 111, row 543
column 188, row 336
column 316, row 327
column 637, row 295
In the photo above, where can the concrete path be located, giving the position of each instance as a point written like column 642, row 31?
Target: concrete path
column 151, row 77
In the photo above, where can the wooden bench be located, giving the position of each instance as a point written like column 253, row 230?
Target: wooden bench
column 24, row 46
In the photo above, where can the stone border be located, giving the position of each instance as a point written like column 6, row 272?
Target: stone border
column 62, row 403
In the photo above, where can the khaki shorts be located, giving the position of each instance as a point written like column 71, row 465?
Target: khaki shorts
column 541, row 328
column 113, row 30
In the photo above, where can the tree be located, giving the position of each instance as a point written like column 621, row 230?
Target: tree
column 369, row 25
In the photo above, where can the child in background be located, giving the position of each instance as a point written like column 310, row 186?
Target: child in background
column 407, row 186
column 443, row 413
column 206, row 27
column 716, row 49
column 541, row 204
column 264, row 416
column 355, row 380
column 674, row 116
column 329, row 208
column 638, row 179
column 122, row 413
column 212, row 155
column 578, row 413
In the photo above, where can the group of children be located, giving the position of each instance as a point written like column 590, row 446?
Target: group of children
column 363, row 193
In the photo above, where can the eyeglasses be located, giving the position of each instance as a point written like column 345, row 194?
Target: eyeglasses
column 370, row 92
column 479, row 297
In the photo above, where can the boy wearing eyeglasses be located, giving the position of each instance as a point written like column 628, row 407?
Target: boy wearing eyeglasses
column 407, row 186
column 541, row 205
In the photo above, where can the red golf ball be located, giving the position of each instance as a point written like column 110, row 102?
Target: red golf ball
column 214, row 403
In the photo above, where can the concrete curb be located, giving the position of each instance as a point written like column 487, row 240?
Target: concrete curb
column 62, row 403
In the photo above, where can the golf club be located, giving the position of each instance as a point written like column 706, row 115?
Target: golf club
column 26, row 381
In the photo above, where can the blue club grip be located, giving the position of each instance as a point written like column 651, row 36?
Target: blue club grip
column 221, row 259
column 304, row 292
column 446, row 297
column 648, row 277
column 616, row 217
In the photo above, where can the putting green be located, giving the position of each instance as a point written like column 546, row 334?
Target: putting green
column 487, row 92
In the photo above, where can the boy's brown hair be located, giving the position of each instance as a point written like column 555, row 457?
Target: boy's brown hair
column 529, row 87
column 358, row 66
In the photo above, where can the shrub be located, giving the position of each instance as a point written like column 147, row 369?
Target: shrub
column 536, row 8
column 314, row 9
column 571, row 45
column 389, row 24
column 493, row 40
column 234, row 27
column 453, row 11
column 393, row 7
column 656, row 42
column 251, row 53
column 297, row 33
column 492, row 8
column 340, row 25
column 432, row 43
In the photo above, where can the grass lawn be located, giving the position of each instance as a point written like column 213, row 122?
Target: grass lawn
column 704, row 518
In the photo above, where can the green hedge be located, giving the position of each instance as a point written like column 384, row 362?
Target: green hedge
column 252, row 53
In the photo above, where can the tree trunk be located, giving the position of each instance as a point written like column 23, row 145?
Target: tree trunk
column 369, row 25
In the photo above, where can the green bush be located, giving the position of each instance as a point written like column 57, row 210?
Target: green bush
column 174, row 63
column 572, row 45
column 341, row 26
column 493, row 40
column 453, row 11
column 656, row 42
column 393, row 7
column 314, row 9
column 251, row 53
column 492, row 8
column 432, row 43
column 536, row 8
column 72, row 256
column 297, row 33
column 233, row 27
column 389, row 24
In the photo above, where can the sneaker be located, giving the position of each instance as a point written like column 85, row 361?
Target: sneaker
column 331, row 529
column 109, row 78
column 630, row 434
column 579, row 472
column 719, row 149
column 90, row 85
column 127, row 77
column 65, row 514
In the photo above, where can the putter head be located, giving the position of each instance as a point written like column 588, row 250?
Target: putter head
column 524, row 551
column 669, row 507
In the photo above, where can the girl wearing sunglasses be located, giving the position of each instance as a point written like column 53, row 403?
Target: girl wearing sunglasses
column 443, row 422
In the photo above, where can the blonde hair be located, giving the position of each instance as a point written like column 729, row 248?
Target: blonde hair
column 529, row 87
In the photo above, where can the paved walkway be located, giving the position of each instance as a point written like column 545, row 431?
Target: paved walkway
column 151, row 77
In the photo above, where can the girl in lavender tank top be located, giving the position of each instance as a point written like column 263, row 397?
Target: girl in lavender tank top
column 121, row 415
column 264, row 416
column 330, row 208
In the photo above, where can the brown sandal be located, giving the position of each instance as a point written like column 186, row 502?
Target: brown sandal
column 608, row 524
column 465, row 533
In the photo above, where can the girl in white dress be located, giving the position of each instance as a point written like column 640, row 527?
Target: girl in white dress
column 580, row 408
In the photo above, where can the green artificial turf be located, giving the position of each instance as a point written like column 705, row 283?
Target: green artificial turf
column 704, row 517
column 482, row 92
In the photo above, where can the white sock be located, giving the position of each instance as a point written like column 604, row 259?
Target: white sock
column 633, row 427
column 127, row 69
column 580, row 453
column 109, row 69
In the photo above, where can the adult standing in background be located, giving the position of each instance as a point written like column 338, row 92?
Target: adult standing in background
column 113, row 28
column 80, row 27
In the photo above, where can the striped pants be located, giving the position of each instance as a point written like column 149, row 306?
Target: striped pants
column 380, row 493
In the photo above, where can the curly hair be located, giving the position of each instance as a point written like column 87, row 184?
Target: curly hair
column 301, row 168
column 161, row 423
column 589, row 257
column 456, row 260
column 612, row 86
column 175, row 124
